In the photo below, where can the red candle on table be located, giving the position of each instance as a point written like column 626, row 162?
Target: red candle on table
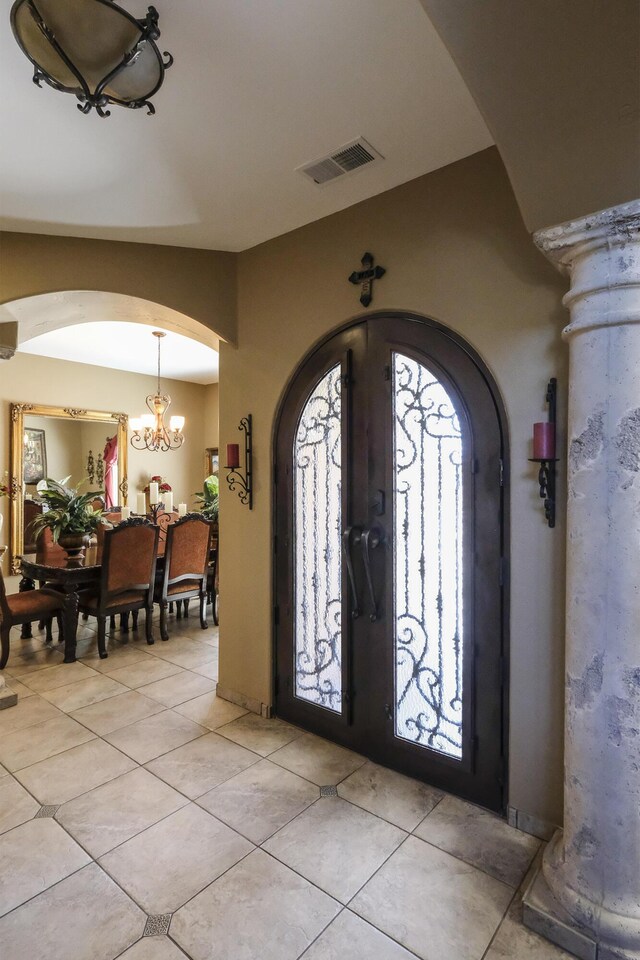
column 544, row 441
column 233, row 455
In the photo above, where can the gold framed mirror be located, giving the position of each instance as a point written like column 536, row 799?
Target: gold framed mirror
column 44, row 442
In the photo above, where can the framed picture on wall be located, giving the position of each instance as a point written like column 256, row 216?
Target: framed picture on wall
column 35, row 455
column 211, row 462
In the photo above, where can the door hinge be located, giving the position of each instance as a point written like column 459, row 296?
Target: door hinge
column 387, row 372
column 276, row 616
column 275, row 544
column 476, row 744
column 346, row 379
column 388, row 711
column 501, row 468
column 475, row 466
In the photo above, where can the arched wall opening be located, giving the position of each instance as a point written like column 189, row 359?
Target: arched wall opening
column 45, row 381
column 35, row 315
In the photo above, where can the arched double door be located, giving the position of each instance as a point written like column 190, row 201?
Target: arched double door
column 389, row 554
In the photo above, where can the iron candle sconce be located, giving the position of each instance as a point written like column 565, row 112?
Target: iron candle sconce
column 241, row 483
column 544, row 453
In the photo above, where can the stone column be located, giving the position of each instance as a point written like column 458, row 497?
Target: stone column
column 587, row 896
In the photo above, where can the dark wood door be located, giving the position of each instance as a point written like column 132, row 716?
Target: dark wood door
column 389, row 555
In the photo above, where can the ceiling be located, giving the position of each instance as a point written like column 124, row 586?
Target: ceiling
column 100, row 343
column 258, row 88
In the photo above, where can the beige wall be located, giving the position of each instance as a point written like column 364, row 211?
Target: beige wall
column 198, row 283
column 211, row 414
column 33, row 379
column 557, row 85
column 455, row 249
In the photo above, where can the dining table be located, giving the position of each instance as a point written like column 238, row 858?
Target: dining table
column 70, row 577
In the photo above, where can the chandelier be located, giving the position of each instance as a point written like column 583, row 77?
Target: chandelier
column 149, row 430
column 92, row 49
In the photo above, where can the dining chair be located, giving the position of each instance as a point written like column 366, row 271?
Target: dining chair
column 127, row 576
column 186, row 563
column 26, row 607
column 164, row 521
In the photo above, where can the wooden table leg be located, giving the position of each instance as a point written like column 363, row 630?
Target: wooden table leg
column 70, row 622
column 26, row 584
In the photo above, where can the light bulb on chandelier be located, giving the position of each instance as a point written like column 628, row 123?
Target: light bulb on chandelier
column 149, row 430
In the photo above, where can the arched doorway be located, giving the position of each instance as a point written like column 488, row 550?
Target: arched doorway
column 390, row 554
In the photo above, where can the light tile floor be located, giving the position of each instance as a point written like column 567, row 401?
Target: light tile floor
column 128, row 791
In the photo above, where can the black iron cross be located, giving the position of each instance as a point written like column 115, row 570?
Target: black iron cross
column 366, row 276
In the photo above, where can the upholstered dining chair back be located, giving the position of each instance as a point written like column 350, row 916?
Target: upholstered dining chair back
column 46, row 549
column 128, row 560
column 164, row 521
column 187, row 550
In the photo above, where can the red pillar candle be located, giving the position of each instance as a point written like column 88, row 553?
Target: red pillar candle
column 544, row 441
column 233, row 455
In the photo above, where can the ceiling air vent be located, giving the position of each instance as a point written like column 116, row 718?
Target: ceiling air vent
column 346, row 159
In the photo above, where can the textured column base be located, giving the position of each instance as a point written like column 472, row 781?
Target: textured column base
column 543, row 914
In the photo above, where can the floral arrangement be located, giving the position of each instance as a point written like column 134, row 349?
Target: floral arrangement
column 163, row 486
column 4, row 487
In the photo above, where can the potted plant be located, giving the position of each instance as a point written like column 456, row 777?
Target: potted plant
column 68, row 514
column 207, row 499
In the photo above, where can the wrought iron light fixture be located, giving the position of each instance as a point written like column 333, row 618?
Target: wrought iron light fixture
column 149, row 431
column 93, row 49
column 241, row 482
column 544, row 453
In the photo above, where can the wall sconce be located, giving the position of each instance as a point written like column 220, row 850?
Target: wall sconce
column 91, row 466
column 544, row 453
column 241, row 483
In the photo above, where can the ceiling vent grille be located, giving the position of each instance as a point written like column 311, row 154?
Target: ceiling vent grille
column 349, row 157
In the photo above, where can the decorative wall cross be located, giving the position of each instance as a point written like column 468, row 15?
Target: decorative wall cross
column 366, row 276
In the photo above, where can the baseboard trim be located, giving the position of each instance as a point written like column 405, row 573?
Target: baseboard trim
column 249, row 703
column 526, row 822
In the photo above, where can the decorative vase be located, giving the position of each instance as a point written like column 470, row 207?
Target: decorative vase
column 74, row 545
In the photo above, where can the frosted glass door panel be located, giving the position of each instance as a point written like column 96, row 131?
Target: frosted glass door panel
column 427, row 501
column 318, row 565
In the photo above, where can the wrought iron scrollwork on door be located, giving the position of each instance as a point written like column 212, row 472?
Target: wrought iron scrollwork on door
column 317, row 556
column 427, row 559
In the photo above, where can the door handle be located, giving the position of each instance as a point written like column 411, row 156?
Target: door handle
column 350, row 534
column 370, row 539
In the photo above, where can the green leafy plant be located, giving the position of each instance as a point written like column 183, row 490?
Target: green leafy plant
column 68, row 513
column 208, row 499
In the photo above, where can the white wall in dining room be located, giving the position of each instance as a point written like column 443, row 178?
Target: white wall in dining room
column 32, row 379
